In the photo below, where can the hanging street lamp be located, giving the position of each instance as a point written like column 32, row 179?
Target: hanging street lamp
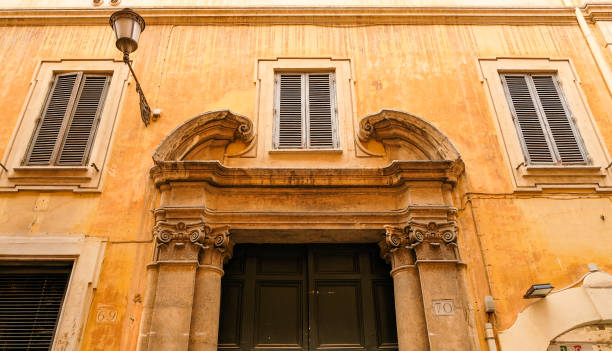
column 128, row 25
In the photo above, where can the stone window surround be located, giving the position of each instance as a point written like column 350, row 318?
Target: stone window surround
column 86, row 253
column 264, row 77
column 86, row 178
column 531, row 177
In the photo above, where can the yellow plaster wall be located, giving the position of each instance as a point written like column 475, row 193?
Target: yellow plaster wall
column 541, row 239
column 427, row 70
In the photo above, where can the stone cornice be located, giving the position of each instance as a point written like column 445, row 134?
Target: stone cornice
column 597, row 12
column 296, row 15
column 395, row 174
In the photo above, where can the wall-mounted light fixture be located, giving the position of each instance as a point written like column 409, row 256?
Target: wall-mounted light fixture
column 128, row 25
column 538, row 291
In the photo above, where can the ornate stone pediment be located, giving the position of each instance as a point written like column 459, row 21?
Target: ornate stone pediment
column 406, row 136
column 205, row 137
column 195, row 183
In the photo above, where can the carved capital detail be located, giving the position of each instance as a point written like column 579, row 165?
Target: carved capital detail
column 432, row 232
column 165, row 233
column 192, row 241
column 220, row 247
column 400, row 243
column 396, row 247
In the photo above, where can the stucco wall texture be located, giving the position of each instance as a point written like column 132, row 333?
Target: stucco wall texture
column 508, row 240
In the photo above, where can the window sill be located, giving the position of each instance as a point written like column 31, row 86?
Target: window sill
column 305, row 151
column 51, row 168
column 50, row 175
column 570, row 170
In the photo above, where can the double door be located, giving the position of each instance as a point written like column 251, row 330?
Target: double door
column 307, row 297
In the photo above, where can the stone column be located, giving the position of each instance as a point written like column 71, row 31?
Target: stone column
column 410, row 319
column 445, row 302
column 207, row 299
column 178, row 287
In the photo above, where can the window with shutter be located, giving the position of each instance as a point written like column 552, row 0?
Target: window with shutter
column 31, row 297
column 305, row 111
column 66, row 128
column 543, row 120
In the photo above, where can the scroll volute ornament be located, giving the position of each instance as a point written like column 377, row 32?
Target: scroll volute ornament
column 195, row 241
column 434, row 241
column 396, row 248
column 218, row 248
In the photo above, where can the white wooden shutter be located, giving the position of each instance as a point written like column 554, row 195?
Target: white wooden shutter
column 562, row 129
column 52, row 122
column 542, row 120
column 84, row 122
column 320, row 111
column 290, row 111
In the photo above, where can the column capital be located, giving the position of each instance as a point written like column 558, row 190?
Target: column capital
column 217, row 247
column 434, row 240
column 433, row 232
column 401, row 243
column 396, row 247
column 182, row 241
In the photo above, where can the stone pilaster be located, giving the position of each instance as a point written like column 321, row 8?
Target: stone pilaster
column 185, row 283
column 437, row 259
column 397, row 250
column 429, row 301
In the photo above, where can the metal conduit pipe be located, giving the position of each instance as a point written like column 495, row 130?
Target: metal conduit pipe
column 490, row 337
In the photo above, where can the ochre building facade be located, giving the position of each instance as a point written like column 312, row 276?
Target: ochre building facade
column 353, row 175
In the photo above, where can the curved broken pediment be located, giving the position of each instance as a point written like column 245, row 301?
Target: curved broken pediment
column 205, row 137
column 406, row 137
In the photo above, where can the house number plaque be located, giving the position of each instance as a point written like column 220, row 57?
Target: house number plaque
column 444, row 307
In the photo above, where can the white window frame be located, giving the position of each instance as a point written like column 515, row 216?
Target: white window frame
column 537, row 177
column 86, row 178
column 263, row 119
column 87, row 254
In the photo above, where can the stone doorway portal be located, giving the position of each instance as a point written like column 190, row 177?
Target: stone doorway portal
column 307, row 297
column 211, row 198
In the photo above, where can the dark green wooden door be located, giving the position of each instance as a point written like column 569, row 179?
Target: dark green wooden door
column 307, row 297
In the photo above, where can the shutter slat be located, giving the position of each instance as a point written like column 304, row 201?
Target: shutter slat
column 29, row 307
column 320, row 125
column 290, row 119
column 84, row 121
column 558, row 120
column 528, row 121
column 47, row 134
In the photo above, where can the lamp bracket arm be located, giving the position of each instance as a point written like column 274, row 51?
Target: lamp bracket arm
column 145, row 110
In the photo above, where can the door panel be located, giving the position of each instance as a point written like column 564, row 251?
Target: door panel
column 338, row 316
column 343, row 262
column 307, row 297
column 384, row 305
column 278, row 314
column 229, row 320
column 281, row 263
